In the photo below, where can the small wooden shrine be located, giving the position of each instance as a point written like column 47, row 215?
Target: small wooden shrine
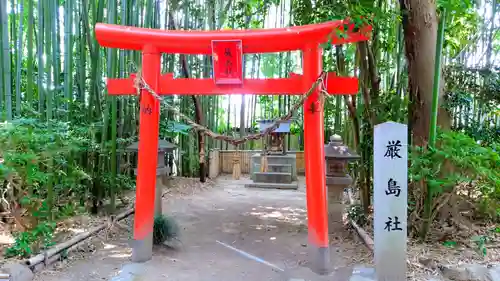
column 274, row 167
column 274, row 143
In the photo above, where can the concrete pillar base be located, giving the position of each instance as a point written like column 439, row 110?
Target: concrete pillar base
column 321, row 261
column 142, row 250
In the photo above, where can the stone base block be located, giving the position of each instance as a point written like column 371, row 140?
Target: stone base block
column 16, row 272
column 288, row 159
column 293, row 186
column 276, row 168
column 130, row 272
column 273, row 177
column 360, row 273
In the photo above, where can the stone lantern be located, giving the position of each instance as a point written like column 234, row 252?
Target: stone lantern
column 337, row 156
column 162, row 170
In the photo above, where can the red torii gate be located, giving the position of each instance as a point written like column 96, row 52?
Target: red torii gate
column 227, row 48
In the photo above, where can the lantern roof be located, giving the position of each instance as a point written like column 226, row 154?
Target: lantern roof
column 336, row 149
column 163, row 145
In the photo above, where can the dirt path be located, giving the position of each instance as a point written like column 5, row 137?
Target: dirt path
column 270, row 224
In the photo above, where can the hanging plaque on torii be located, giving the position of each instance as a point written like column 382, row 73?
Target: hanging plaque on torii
column 227, row 57
column 227, row 48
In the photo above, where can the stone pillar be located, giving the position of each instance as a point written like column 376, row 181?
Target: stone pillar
column 336, row 186
column 337, row 156
column 160, row 179
column 161, row 172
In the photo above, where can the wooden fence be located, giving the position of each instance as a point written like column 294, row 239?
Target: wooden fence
column 221, row 161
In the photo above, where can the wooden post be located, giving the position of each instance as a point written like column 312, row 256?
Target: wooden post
column 236, row 165
column 214, row 163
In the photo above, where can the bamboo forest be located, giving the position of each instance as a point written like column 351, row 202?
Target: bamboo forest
column 295, row 140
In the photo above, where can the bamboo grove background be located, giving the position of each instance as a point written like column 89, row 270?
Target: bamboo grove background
column 64, row 138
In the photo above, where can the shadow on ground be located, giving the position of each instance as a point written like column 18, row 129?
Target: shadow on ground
column 269, row 224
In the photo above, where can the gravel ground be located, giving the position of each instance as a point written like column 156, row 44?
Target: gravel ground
column 270, row 224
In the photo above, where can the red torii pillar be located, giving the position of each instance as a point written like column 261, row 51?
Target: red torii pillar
column 227, row 48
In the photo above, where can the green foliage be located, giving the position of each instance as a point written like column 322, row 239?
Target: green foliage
column 457, row 159
column 295, row 129
column 41, row 173
column 462, row 24
column 165, row 229
column 32, row 241
column 481, row 241
column 119, row 183
column 249, row 13
column 37, row 207
column 456, row 5
column 172, row 128
column 270, row 65
column 463, row 84
column 390, row 107
column 449, row 244
column 473, row 97
column 33, row 151
column 461, row 30
column 357, row 215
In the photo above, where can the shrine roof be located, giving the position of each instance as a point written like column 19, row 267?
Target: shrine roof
column 163, row 145
column 282, row 128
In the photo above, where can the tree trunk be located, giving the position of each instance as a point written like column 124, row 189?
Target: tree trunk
column 420, row 30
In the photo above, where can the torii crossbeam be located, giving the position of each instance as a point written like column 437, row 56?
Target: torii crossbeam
column 227, row 48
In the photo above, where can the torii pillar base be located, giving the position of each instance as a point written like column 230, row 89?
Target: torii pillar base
column 321, row 261
column 142, row 250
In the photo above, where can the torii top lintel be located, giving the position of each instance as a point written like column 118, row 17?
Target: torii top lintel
column 253, row 40
column 227, row 67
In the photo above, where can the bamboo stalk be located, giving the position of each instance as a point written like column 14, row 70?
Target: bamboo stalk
column 112, row 12
column 79, row 238
column 437, row 78
column 7, row 71
column 56, row 62
column 52, row 259
column 19, row 59
column 41, row 67
column 29, row 80
column 68, row 55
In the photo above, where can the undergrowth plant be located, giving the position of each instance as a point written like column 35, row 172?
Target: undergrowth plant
column 40, row 179
column 33, row 241
column 356, row 214
column 165, row 229
column 456, row 159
